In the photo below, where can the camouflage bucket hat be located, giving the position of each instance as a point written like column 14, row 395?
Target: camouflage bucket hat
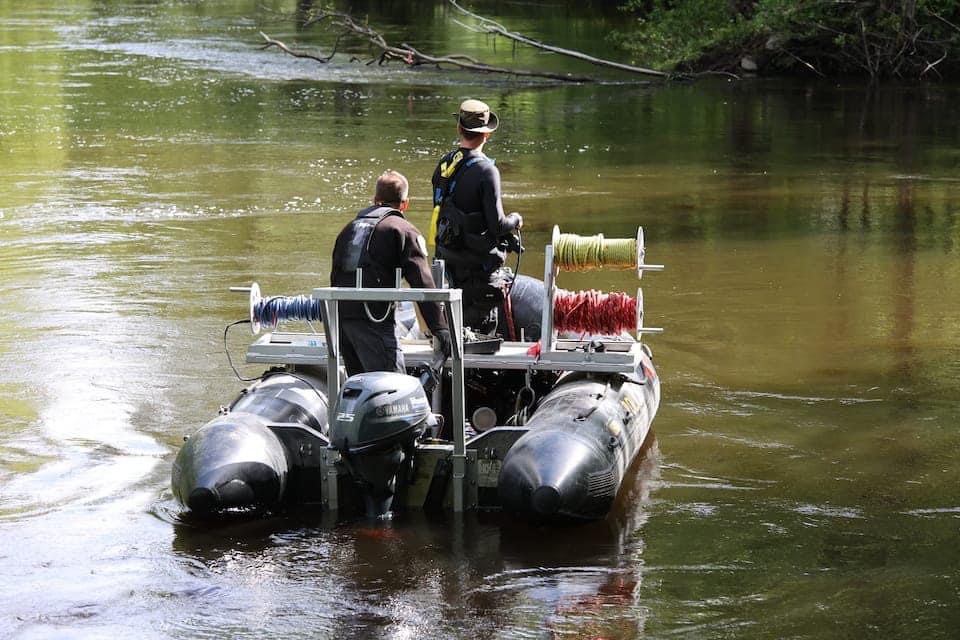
column 476, row 117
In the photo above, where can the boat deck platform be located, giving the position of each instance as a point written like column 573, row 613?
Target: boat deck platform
column 310, row 349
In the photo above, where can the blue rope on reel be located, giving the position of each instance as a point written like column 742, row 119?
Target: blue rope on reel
column 268, row 312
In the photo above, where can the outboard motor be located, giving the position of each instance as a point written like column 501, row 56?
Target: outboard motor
column 379, row 416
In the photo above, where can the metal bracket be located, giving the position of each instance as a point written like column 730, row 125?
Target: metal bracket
column 331, row 473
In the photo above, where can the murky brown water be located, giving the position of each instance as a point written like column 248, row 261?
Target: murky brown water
column 803, row 481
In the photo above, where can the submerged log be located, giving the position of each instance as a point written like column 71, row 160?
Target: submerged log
column 490, row 26
column 348, row 26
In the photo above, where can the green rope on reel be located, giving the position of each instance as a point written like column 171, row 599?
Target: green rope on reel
column 585, row 253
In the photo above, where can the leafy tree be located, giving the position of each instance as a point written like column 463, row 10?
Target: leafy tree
column 896, row 38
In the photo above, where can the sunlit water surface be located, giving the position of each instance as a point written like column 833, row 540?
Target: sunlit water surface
column 802, row 481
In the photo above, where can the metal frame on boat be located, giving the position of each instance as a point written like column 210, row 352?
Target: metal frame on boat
column 462, row 473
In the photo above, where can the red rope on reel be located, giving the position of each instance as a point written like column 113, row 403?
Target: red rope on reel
column 594, row 312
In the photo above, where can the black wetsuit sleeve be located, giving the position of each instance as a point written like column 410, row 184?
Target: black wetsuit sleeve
column 411, row 251
column 492, row 204
column 335, row 274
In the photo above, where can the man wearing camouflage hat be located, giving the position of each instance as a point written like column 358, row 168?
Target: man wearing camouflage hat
column 469, row 228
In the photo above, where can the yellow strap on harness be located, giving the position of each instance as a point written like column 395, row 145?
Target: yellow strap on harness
column 446, row 171
column 432, row 238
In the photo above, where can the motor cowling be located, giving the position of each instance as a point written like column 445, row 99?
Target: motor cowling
column 378, row 418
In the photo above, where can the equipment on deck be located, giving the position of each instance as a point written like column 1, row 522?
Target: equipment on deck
column 545, row 429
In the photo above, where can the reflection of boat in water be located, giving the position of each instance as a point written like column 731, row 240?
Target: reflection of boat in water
column 427, row 574
column 542, row 427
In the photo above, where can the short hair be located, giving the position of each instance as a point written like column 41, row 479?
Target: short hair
column 392, row 188
column 469, row 135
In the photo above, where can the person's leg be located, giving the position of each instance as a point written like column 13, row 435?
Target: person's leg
column 481, row 297
column 351, row 359
column 391, row 344
column 375, row 345
column 480, row 319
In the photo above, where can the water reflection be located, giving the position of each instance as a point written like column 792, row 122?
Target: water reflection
column 904, row 268
column 418, row 575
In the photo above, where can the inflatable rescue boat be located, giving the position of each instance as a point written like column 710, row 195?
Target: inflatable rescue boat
column 542, row 420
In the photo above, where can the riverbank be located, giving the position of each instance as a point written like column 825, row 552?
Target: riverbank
column 916, row 39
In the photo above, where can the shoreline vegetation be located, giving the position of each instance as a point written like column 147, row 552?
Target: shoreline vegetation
column 905, row 40
column 899, row 39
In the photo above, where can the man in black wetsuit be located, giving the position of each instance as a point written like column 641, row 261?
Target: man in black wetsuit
column 472, row 234
column 379, row 240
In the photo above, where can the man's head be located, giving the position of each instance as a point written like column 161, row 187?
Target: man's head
column 392, row 190
column 475, row 121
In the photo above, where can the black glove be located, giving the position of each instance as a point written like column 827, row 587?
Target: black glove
column 445, row 340
column 429, row 379
column 513, row 244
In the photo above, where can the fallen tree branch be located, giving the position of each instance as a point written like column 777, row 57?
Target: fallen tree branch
column 802, row 61
column 270, row 42
column 458, row 62
column 711, row 72
column 945, row 21
column 406, row 53
column 933, row 65
column 490, row 26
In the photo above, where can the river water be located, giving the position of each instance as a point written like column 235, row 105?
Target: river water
column 801, row 480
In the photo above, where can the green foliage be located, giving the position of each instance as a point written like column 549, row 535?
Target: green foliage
column 668, row 33
column 902, row 38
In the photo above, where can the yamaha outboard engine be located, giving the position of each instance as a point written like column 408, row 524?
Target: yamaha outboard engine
column 379, row 416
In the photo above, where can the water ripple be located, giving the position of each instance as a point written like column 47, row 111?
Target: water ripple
column 953, row 512
column 830, row 512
